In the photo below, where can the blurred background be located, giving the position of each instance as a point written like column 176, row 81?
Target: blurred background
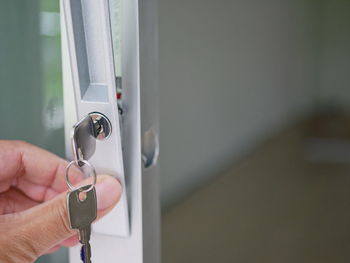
column 254, row 117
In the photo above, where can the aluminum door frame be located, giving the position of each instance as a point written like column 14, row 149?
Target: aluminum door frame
column 140, row 93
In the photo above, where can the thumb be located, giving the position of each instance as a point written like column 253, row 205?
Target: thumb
column 47, row 224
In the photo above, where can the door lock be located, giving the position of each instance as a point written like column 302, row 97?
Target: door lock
column 94, row 126
column 102, row 127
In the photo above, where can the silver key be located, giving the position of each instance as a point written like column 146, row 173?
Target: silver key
column 81, row 214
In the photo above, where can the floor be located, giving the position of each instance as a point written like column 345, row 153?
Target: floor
column 274, row 206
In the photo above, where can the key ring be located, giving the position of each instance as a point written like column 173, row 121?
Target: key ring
column 72, row 187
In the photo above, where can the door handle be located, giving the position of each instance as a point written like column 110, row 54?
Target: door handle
column 93, row 75
column 150, row 148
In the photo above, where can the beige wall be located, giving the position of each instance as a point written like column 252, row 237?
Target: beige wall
column 334, row 78
column 231, row 73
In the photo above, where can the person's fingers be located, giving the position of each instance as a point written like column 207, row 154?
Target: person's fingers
column 5, row 184
column 46, row 225
column 70, row 242
column 36, row 172
column 13, row 201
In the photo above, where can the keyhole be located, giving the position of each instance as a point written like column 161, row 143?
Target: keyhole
column 102, row 127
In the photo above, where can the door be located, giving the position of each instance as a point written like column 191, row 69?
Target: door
column 109, row 51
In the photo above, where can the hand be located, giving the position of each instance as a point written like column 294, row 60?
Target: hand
column 33, row 212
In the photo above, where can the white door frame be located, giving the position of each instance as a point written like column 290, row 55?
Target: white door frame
column 140, row 117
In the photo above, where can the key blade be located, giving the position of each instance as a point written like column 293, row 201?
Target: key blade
column 85, row 234
column 84, row 237
column 84, row 252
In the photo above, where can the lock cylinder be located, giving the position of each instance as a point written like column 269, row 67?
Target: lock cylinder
column 101, row 128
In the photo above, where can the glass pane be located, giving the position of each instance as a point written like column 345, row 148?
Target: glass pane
column 31, row 101
column 50, row 39
column 31, row 93
column 52, row 92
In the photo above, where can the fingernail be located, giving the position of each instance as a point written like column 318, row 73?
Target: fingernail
column 108, row 191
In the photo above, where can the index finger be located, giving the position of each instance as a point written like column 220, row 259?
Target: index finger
column 36, row 172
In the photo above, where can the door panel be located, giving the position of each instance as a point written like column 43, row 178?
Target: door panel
column 136, row 87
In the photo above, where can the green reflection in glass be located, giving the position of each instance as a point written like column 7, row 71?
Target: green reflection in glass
column 52, row 76
column 52, row 91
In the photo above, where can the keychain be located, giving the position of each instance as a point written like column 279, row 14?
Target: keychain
column 81, row 201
